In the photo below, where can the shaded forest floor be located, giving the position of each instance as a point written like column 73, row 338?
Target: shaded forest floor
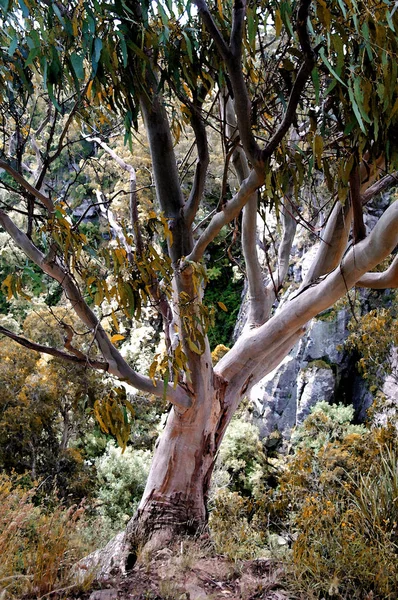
column 187, row 571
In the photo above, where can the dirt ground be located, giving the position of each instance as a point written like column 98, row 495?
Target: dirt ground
column 188, row 571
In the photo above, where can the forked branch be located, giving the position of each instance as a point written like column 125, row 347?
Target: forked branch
column 116, row 364
column 381, row 281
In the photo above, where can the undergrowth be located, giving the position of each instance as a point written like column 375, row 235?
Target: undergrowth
column 333, row 505
column 38, row 547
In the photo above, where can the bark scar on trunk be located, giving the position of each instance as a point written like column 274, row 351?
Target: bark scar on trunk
column 246, row 384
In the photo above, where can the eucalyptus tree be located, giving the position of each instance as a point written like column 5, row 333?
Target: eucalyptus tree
column 304, row 96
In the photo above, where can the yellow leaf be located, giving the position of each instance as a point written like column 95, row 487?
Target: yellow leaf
column 90, row 85
column 117, row 337
column 152, row 370
column 278, row 23
column 7, row 283
column 219, row 6
column 194, row 347
column 318, row 149
column 115, row 323
column 222, row 306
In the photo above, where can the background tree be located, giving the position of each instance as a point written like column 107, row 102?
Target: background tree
column 305, row 99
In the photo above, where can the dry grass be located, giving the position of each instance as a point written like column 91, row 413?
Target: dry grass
column 38, row 547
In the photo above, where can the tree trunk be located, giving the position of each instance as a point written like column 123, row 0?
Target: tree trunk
column 175, row 497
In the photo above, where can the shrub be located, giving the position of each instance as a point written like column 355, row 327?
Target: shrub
column 121, row 482
column 336, row 502
column 239, row 477
column 347, row 537
column 338, row 496
column 242, row 457
column 231, row 529
column 325, row 423
column 38, row 548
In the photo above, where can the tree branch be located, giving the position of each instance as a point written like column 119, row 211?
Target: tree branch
column 213, row 29
column 300, row 82
column 133, row 191
column 168, row 189
column 238, row 20
column 48, row 203
column 113, row 224
column 195, row 196
column 359, row 229
column 381, row 281
column 117, row 365
column 259, row 344
column 289, row 225
column 380, row 186
column 257, row 295
column 333, row 243
column 229, row 211
column 336, row 233
column 232, row 57
column 86, row 360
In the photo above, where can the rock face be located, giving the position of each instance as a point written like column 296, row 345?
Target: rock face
column 317, row 369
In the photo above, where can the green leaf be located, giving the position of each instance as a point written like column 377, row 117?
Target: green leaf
column 24, row 9
column 123, row 47
column 343, row 9
column 315, row 81
column 13, row 46
column 356, row 109
column 189, row 46
column 4, row 5
column 329, row 66
column 58, row 13
column 97, row 49
column 251, row 28
column 50, row 90
column 163, row 16
column 31, row 56
column 77, row 64
column 389, row 21
column 366, row 35
column 358, row 93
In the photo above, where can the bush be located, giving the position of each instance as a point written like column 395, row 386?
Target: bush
column 121, row 481
column 239, row 477
column 241, row 458
column 335, row 504
column 231, row 528
column 338, row 496
column 347, row 536
column 38, row 548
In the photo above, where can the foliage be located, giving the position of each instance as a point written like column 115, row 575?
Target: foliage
column 40, row 425
column 121, row 480
column 38, row 547
column 231, row 527
column 336, row 498
column 242, row 457
column 373, row 337
column 347, row 528
column 225, row 289
column 326, row 423
column 238, row 481
column 334, row 504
